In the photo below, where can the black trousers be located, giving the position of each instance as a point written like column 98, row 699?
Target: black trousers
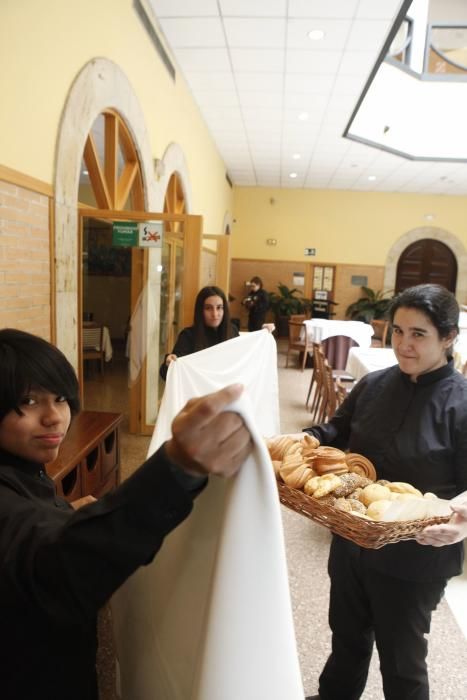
column 367, row 606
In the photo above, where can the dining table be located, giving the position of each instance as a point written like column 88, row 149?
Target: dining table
column 361, row 361
column 338, row 337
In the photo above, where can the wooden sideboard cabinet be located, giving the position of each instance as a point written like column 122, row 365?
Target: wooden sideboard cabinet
column 88, row 462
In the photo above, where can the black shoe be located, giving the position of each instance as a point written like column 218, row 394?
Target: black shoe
column 312, row 697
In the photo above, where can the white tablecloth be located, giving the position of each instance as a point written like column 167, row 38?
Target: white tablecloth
column 106, row 342
column 318, row 329
column 363, row 360
column 210, row 618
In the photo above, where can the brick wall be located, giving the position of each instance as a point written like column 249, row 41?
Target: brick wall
column 24, row 260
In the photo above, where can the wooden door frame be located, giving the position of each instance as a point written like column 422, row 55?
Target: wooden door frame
column 192, row 239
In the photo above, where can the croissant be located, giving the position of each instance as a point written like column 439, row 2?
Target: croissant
column 278, row 446
column 298, row 478
column 310, row 442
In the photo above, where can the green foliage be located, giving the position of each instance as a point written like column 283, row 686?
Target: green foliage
column 288, row 301
column 374, row 304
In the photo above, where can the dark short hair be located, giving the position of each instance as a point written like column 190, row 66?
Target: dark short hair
column 435, row 301
column 29, row 362
column 224, row 332
column 257, row 280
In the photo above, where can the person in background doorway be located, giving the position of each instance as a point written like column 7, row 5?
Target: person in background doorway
column 257, row 303
column 60, row 564
column 211, row 325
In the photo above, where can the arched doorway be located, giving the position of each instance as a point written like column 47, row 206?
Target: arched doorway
column 426, row 261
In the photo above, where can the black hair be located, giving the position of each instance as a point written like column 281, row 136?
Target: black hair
column 29, row 362
column 258, row 281
column 435, row 301
column 203, row 334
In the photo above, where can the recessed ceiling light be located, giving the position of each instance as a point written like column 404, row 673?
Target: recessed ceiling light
column 292, row 175
column 296, row 156
column 429, row 217
column 316, row 34
column 85, row 172
column 303, row 116
column 372, row 177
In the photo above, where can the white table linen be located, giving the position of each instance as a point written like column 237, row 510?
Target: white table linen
column 319, row 329
column 361, row 361
column 210, row 618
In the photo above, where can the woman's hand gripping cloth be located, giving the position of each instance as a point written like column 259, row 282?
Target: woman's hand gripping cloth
column 210, row 618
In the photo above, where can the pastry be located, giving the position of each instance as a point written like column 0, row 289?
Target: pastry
column 360, row 465
column 278, row 446
column 403, row 487
column 329, row 459
column 327, row 485
column 374, row 492
column 349, row 482
column 311, row 485
column 310, row 442
column 377, row 509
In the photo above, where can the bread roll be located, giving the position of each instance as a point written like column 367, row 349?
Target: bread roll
column 377, row 509
column 374, row 492
column 311, row 485
column 326, row 486
column 349, row 482
column 403, row 487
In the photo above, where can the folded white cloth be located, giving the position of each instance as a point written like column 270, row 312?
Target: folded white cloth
column 211, row 618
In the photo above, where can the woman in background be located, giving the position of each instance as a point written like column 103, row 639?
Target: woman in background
column 211, row 325
column 257, row 303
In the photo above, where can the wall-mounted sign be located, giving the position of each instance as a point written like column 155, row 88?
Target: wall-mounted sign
column 310, row 251
column 125, row 233
column 359, row 281
column 150, row 234
column 131, row 234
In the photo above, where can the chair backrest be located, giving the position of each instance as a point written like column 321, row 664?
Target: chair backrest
column 297, row 317
column 92, row 337
column 295, row 330
column 380, row 330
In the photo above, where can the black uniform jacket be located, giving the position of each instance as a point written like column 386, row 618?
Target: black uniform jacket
column 59, row 566
column 413, row 432
column 185, row 343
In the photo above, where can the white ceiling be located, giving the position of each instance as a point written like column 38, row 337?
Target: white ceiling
column 254, row 73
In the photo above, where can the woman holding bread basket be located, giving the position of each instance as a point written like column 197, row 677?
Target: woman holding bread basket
column 410, row 420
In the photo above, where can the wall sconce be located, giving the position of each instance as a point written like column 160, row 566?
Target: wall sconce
column 159, row 168
column 271, row 241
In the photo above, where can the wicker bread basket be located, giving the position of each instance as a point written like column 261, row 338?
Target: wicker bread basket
column 366, row 533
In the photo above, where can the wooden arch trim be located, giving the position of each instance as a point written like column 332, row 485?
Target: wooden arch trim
column 112, row 190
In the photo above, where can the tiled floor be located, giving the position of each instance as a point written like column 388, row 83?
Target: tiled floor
column 307, row 544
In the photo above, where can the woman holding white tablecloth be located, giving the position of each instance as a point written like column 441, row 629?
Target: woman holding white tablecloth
column 410, row 420
column 211, row 325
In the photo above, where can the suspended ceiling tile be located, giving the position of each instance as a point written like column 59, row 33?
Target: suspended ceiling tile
column 184, row 8
column 383, row 9
column 322, row 8
column 260, row 99
column 255, row 33
column 217, row 98
column 312, row 62
column 309, row 84
column 258, row 60
column 221, row 80
column 367, row 35
column 249, row 8
column 259, row 82
column 189, row 32
column 203, row 59
column 335, row 31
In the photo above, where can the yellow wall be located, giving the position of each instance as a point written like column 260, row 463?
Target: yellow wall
column 344, row 227
column 44, row 45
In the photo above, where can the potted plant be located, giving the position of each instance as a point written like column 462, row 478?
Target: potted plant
column 285, row 303
column 373, row 305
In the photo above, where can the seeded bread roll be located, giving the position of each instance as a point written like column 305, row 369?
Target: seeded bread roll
column 349, row 482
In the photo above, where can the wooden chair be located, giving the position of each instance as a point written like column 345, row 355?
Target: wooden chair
column 298, row 340
column 318, row 359
column 380, row 332
column 297, row 317
column 93, row 345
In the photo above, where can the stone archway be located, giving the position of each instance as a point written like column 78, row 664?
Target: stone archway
column 100, row 84
column 174, row 162
column 439, row 234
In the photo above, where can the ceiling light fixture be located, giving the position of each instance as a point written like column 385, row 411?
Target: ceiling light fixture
column 303, row 116
column 372, row 177
column 292, row 175
column 316, row 34
column 296, row 156
column 85, row 172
